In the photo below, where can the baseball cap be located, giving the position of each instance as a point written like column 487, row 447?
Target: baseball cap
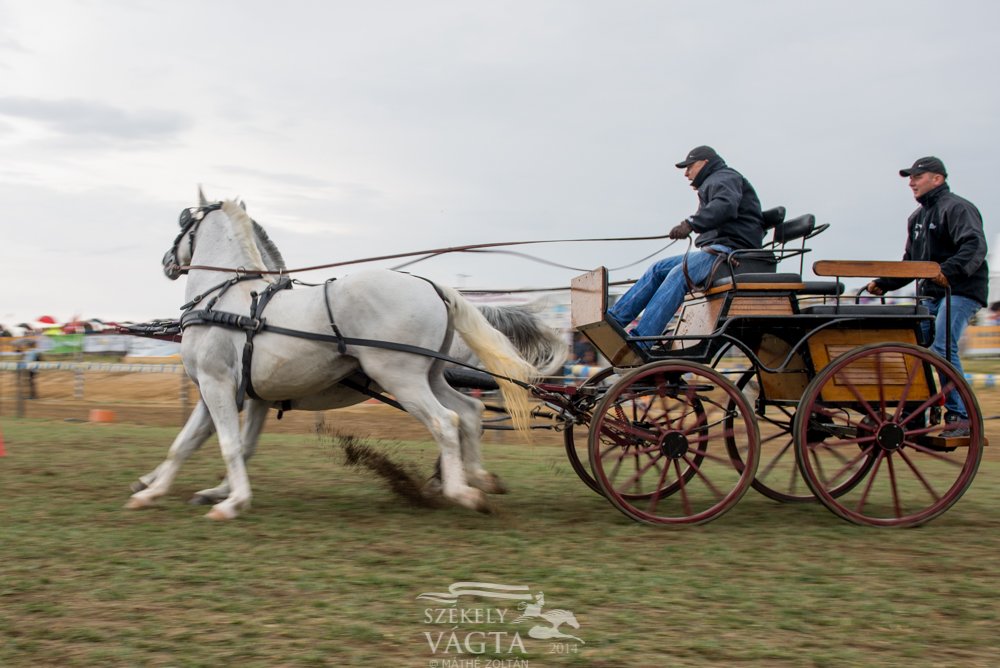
column 928, row 164
column 696, row 154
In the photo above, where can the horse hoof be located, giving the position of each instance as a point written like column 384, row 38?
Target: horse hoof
column 491, row 484
column 217, row 514
column 433, row 488
column 137, row 504
column 200, row 500
column 138, row 486
column 474, row 499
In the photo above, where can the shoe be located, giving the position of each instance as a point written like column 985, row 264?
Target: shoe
column 959, row 426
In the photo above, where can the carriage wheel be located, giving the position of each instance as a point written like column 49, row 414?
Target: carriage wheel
column 570, row 441
column 651, row 443
column 778, row 475
column 881, row 402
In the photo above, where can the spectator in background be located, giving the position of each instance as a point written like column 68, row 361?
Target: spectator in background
column 30, row 355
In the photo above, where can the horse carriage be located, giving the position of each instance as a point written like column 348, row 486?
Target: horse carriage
column 766, row 380
column 832, row 399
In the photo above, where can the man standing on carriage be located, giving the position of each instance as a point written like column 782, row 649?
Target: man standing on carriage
column 728, row 218
column 946, row 229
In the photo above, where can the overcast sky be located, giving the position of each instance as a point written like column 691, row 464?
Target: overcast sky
column 355, row 129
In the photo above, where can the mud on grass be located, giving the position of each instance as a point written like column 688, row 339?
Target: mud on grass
column 326, row 567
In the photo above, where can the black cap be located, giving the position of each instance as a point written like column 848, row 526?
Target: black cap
column 928, row 164
column 696, row 154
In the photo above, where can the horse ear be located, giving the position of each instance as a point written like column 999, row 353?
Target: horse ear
column 243, row 205
column 202, row 201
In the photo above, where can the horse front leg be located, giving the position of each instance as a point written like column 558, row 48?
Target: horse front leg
column 155, row 484
column 219, row 396
column 254, row 416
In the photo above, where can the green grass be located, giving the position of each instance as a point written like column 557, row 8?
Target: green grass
column 326, row 567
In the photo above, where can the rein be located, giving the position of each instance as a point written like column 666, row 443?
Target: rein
column 429, row 253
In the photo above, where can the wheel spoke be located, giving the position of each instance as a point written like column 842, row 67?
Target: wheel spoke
column 936, row 399
column 850, row 464
column 774, row 460
column 892, row 485
column 685, row 501
column 910, row 377
column 659, row 486
column 857, row 394
column 701, row 474
column 871, row 480
column 933, row 453
column 920, row 476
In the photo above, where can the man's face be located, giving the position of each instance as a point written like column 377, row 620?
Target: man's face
column 921, row 184
column 691, row 171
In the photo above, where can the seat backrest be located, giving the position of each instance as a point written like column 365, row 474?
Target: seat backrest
column 799, row 227
column 773, row 217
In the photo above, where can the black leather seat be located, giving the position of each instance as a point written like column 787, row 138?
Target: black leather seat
column 864, row 309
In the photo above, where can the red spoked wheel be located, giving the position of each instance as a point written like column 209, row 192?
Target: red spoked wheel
column 882, row 402
column 778, row 475
column 577, row 458
column 658, row 444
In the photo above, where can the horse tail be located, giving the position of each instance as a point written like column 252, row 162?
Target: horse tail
column 497, row 353
column 538, row 343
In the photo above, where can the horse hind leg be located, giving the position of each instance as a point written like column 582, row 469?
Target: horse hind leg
column 470, row 427
column 444, row 425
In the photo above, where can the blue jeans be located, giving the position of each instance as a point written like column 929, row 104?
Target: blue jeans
column 661, row 290
column 962, row 310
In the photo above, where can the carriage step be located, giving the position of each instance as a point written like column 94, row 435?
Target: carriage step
column 939, row 443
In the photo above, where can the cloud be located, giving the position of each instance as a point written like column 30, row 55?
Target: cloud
column 83, row 118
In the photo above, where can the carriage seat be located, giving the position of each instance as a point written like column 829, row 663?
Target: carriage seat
column 864, row 309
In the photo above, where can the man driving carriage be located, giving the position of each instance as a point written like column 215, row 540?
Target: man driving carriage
column 946, row 229
column 728, row 218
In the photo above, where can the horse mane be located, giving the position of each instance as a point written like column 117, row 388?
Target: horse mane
column 243, row 226
column 268, row 245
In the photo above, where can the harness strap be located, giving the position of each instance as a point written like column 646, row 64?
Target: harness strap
column 366, row 390
column 257, row 305
column 341, row 347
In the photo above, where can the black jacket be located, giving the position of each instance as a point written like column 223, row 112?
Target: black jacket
column 947, row 229
column 728, row 208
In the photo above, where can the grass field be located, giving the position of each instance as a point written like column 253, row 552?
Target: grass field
column 326, row 568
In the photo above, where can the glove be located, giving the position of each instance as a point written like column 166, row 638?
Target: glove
column 941, row 280
column 682, row 231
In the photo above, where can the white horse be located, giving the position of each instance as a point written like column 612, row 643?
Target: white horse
column 303, row 373
column 542, row 346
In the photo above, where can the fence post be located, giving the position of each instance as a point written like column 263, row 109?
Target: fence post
column 19, row 389
column 78, row 385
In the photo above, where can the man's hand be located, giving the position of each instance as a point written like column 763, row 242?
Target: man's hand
column 941, row 280
column 682, row 231
column 874, row 289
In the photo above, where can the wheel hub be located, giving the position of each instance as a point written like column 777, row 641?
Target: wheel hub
column 674, row 445
column 890, row 436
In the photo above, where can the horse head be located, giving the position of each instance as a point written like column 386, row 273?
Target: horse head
column 181, row 252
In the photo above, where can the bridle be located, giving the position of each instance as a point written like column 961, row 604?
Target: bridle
column 189, row 220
